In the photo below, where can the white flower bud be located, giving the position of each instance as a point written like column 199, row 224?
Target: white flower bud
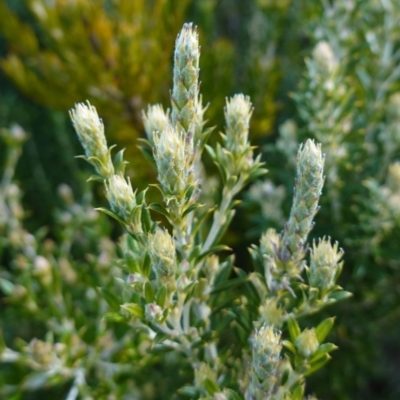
column 162, row 253
column 307, row 343
column 324, row 264
column 41, row 352
column 325, row 57
column 238, row 112
column 153, row 312
column 155, row 120
column 120, row 195
column 271, row 313
column 42, row 270
column 90, row 130
column 173, row 158
column 270, row 243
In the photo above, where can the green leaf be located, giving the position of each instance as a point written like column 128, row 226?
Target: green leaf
column 188, row 289
column 161, row 349
column 222, row 172
column 189, row 391
column 318, row 364
column 148, row 154
column 191, row 208
column 229, row 284
column 322, row 350
column 95, row 178
column 214, row 249
column 146, row 265
column 149, row 292
column 189, row 191
column 135, row 310
column 157, row 207
column 195, row 253
column 141, row 196
column 161, row 296
column 211, row 386
column 224, row 322
column 6, row 286
column 198, row 288
column 119, row 163
column 285, row 376
column 323, row 329
column 136, row 214
column 110, row 214
column 200, row 221
column 210, row 151
column 160, row 337
column 240, row 318
column 228, row 218
column 113, row 317
column 111, row 299
column 256, row 174
column 205, row 136
column 223, row 274
column 289, row 345
column 341, row 295
column 132, row 263
column 297, row 392
column 294, row 329
column 146, row 219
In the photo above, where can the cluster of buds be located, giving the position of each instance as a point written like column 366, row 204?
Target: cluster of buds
column 309, row 183
column 187, row 111
column 174, row 159
column 158, row 278
column 283, row 254
column 325, row 265
column 162, row 253
column 265, row 362
column 155, row 120
column 120, row 195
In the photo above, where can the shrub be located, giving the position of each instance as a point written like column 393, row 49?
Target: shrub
column 120, row 321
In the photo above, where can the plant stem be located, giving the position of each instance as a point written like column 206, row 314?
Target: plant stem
column 220, row 214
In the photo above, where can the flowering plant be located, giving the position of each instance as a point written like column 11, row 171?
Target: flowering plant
column 173, row 296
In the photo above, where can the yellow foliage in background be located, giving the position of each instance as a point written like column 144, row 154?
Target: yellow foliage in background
column 118, row 55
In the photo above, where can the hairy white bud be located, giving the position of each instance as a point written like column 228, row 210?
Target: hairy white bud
column 90, row 130
column 120, row 195
column 162, row 253
column 173, row 157
column 307, row 343
column 155, row 120
column 324, row 56
column 238, row 112
column 324, row 264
